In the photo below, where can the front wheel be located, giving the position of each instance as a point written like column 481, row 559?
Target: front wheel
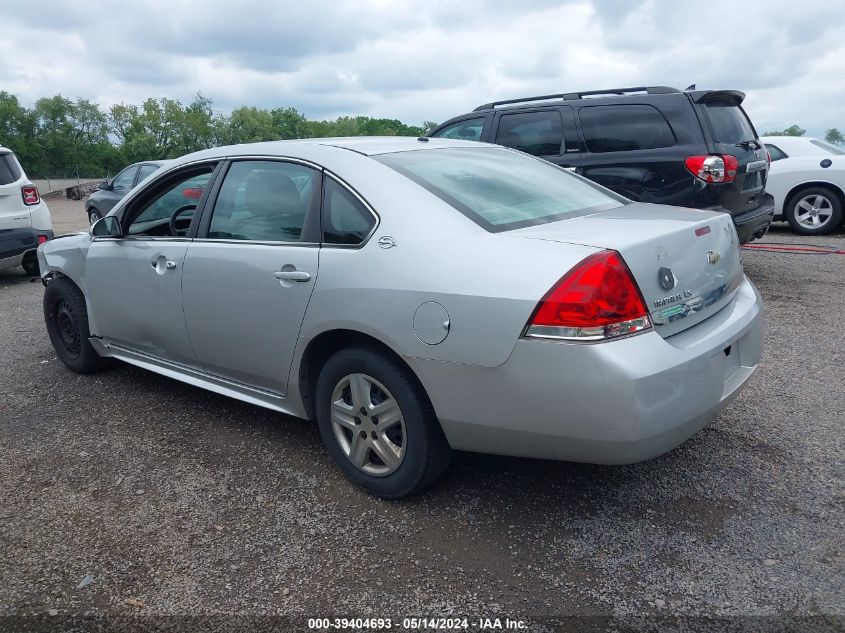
column 814, row 211
column 378, row 423
column 93, row 215
column 66, row 316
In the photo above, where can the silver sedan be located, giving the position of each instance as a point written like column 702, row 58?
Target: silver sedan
column 415, row 296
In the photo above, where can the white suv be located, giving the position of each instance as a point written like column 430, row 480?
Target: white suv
column 24, row 218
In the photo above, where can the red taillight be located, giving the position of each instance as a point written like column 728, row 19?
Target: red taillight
column 42, row 239
column 30, row 195
column 597, row 299
column 768, row 158
column 713, row 168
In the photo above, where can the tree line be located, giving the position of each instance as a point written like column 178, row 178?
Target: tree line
column 833, row 135
column 60, row 135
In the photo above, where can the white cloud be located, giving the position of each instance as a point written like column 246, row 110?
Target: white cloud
column 432, row 60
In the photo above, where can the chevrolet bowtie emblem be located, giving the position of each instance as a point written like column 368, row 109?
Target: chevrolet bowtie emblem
column 667, row 279
column 713, row 257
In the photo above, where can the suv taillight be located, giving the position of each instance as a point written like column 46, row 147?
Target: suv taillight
column 30, row 195
column 713, row 168
column 598, row 299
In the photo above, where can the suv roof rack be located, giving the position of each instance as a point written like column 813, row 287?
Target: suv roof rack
column 573, row 96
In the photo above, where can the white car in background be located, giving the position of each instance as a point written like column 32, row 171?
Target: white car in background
column 24, row 218
column 807, row 180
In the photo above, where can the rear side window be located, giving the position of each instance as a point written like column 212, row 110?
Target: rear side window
column 776, row 152
column 620, row 128
column 729, row 123
column 263, row 201
column 345, row 219
column 467, row 130
column 537, row 133
column 827, row 147
column 10, row 170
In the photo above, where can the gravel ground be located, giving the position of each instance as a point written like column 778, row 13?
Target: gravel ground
column 127, row 486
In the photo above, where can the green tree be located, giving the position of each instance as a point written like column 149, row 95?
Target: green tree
column 834, row 136
column 792, row 130
column 289, row 123
column 247, row 124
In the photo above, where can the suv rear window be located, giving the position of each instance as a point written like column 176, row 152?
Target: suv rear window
column 729, row 123
column 619, row 128
column 537, row 133
column 498, row 189
column 10, row 170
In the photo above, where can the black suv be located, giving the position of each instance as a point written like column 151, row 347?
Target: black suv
column 691, row 148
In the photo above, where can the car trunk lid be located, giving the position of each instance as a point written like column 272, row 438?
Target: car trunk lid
column 686, row 262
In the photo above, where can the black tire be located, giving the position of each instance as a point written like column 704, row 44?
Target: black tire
column 426, row 453
column 93, row 215
column 66, row 317
column 30, row 264
column 833, row 204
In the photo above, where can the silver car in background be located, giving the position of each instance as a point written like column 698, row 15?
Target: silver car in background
column 416, row 296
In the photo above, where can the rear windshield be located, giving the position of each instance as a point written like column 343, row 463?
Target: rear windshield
column 827, row 147
column 729, row 123
column 500, row 189
column 10, row 170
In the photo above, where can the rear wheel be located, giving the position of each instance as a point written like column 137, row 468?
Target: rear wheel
column 814, row 211
column 378, row 423
column 66, row 316
column 93, row 215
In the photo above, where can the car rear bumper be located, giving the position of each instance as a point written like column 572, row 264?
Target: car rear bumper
column 753, row 224
column 15, row 243
column 614, row 402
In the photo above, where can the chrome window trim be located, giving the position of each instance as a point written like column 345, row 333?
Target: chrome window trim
column 330, row 174
column 140, row 238
column 219, row 240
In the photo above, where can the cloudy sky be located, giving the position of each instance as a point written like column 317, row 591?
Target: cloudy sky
column 427, row 59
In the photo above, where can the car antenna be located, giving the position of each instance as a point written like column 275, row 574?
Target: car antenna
column 690, row 87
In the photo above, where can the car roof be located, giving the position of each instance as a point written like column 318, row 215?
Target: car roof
column 317, row 148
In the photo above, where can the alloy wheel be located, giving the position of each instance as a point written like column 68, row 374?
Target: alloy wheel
column 813, row 211
column 368, row 425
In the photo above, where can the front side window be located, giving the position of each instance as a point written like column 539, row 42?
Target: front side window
column 265, row 201
column 498, row 189
column 467, row 130
column 178, row 197
column 125, row 179
column 145, row 171
column 345, row 219
column 620, row 128
column 776, row 152
column 537, row 133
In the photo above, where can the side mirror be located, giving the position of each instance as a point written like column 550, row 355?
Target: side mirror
column 108, row 226
column 104, row 185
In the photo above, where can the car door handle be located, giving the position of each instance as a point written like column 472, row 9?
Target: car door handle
column 169, row 264
column 292, row 275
